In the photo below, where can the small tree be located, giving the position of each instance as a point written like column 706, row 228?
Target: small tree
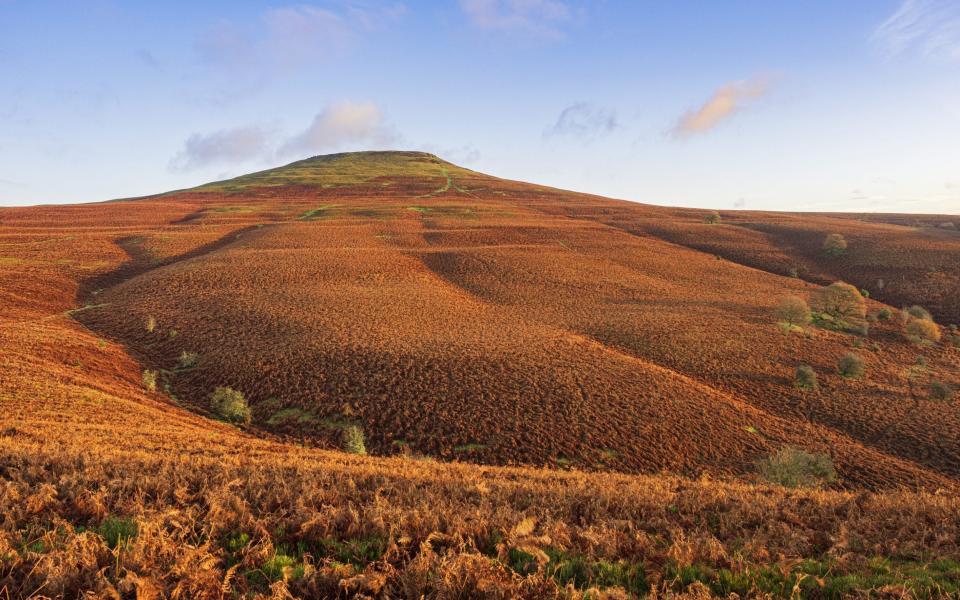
column 921, row 331
column 150, row 380
column 792, row 467
column 842, row 303
column 712, row 218
column 834, row 244
column 793, row 311
column 353, row 440
column 806, row 378
column 940, row 391
column 230, row 405
column 851, row 366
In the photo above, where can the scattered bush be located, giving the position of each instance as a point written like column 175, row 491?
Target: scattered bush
column 793, row 311
column 151, row 324
column 188, row 360
column 806, row 378
column 834, row 245
column 884, row 314
column 937, row 390
column 921, row 331
column 842, row 304
column 230, row 405
column 948, row 225
column 851, row 366
column 916, row 312
column 712, row 218
column 353, row 440
column 150, row 380
column 792, row 467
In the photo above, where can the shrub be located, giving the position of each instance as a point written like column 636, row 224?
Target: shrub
column 851, row 366
column 794, row 273
column 806, row 378
column 884, row 314
column 188, row 360
column 712, row 218
column 842, row 303
column 793, row 311
column 921, row 331
column 937, row 390
column 792, row 467
column 150, row 380
column 230, row 405
column 834, row 244
column 865, row 292
column 353, row 441
column 151, row 324
column 916, row 312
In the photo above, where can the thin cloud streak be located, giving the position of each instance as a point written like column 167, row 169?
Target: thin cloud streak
column 538, row 18
column 929, row 27
column 725, row 102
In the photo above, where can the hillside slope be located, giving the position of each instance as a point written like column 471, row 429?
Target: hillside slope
column 458, row 316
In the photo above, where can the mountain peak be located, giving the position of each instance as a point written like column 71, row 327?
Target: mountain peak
column 342, row 169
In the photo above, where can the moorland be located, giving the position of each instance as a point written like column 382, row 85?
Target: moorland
column 381, row 374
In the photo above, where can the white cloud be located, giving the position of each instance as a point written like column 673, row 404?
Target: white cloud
column 725, row 102
column 240, row 144
column 342, row 124
column 535, row 17
column 584, row 121
column 930, row 27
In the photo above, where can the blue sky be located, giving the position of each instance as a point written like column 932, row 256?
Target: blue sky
column 809, row 105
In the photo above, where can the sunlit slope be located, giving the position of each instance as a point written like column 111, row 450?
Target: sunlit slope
column 452, row 315
column 457, row 315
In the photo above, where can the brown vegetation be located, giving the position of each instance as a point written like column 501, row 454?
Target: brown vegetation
column 446, row 314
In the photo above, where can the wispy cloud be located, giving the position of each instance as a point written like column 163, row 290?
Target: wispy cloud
column 147, row 58
column 285, row 39
column 542, row 18
column 930, row 27
column 240, row 144
column 584, row 121
column 342, row 124
column 725, row 102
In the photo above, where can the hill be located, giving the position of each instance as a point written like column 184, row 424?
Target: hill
column 456, row 316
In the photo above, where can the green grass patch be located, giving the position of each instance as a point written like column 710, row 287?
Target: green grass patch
column 819, row 579
column 316, row 213
column 472, row 447
column 292, row 414
column 583, row 573
column 116, row 530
